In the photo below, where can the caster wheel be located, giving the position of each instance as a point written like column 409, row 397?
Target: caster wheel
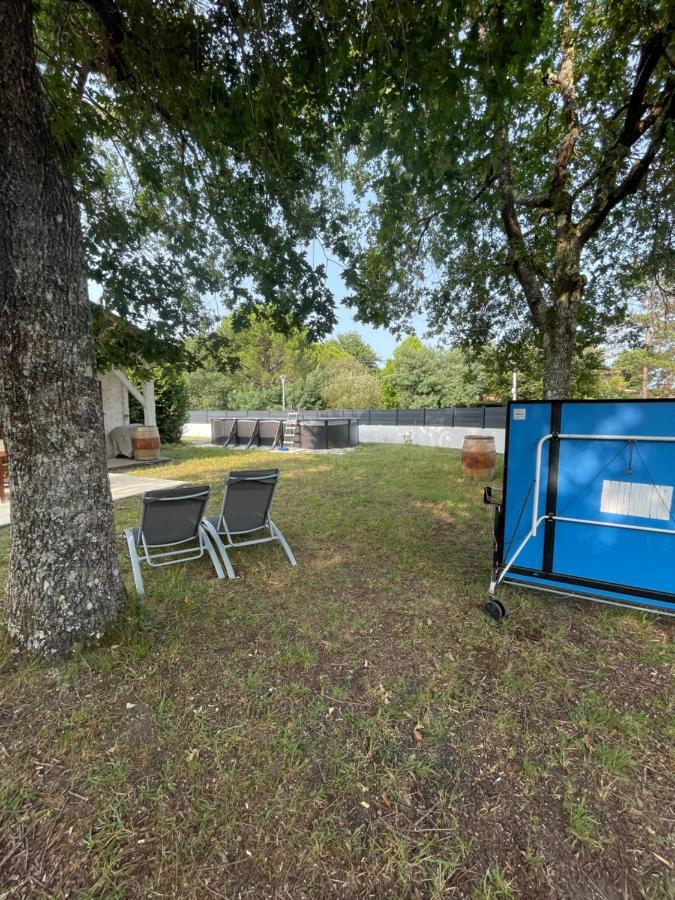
column 495, row 609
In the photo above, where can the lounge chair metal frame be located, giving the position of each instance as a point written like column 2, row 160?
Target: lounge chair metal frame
column 217, row 526
column 199, row 541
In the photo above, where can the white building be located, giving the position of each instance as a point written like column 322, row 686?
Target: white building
column 115, row 388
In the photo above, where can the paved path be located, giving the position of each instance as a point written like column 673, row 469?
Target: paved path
column 136, row 463
column 120, row 485
column 131, row 485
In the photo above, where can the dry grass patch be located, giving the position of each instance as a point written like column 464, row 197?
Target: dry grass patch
column 355, row 727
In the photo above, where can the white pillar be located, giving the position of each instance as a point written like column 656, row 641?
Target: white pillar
column 129, row 386
column 149, row 413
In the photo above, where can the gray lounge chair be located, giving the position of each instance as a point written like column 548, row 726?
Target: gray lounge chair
column 171, row 531
column 245, row 511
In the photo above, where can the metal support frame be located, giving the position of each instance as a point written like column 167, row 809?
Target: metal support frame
column 607, row 601
column 498, row 577
column 233, row 435
column 156, row 560
column 254, row 434
column 156, row 555
column 217, row 535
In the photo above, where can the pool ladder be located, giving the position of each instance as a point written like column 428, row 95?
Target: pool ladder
column 290, row 429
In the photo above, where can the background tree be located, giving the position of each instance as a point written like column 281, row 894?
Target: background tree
column 647, row 368
column 350, row 385
column 260, row 353
column 349, row 343
column 307, row 392
column 493, row 370
column 208, row 389
column 188, row 135
column 245, row 372
column 171, row 401
column 515, row 162
column 251, row 355
column 418, row 376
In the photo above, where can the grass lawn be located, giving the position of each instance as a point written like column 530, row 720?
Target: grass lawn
column 354, row 727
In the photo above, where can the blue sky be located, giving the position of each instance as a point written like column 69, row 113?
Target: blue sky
column 381, row 340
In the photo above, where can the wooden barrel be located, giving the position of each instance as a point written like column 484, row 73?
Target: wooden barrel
column 479, row 456
column 145, row 442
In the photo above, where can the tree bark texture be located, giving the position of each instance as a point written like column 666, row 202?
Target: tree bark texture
column 64, row 581
column 558, row 344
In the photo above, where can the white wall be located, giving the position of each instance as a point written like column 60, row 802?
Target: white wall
column 115, row 401
column 426, row 435
column 199, row 430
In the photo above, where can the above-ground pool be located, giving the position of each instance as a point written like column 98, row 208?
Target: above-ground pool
column 311, row 434
column 325, row 434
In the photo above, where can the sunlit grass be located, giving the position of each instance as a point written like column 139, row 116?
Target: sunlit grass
column 353, row 727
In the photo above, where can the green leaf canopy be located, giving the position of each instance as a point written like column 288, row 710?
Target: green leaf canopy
column 195, row 137
column 514, row 163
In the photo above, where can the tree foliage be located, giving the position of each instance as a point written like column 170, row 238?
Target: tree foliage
column 261, row 354
column 349, row 384
column 418, row 376
column 493, row 370
column 349, row 344
column 191, row 134
column 245, row 371
column 646, row 368
column 516, row 164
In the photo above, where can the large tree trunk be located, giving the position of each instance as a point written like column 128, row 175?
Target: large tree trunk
column 558, row 354
column 644, row 384
column 558, row 340
column 559, row 322
column 64, row 581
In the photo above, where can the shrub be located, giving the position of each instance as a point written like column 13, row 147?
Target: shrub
column 351, row 385
column 171, row 402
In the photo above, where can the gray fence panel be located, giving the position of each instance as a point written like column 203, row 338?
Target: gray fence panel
column 410, row 416
column 198, row 417
column 469, row 417
column 439, row 417
column 383, row 416
column 495, row 417
column 465, row 417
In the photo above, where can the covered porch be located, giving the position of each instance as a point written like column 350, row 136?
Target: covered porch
column 116, row 387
